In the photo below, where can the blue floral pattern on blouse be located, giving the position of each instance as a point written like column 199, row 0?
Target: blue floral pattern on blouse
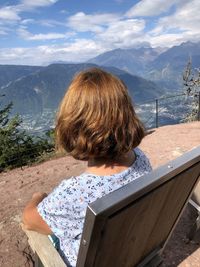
column 64, row 209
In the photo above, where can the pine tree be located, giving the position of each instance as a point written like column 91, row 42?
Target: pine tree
column 191, row 79
column 17, row 148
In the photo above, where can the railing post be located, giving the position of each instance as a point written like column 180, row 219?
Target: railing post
column 156, row 113
column 198, row 115
column 21, row 161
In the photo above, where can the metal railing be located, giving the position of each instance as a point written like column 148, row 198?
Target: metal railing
column 172, row 109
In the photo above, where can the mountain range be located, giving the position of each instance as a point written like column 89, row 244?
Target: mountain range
column 134, row 61
column 45, row 87
column 165, row 67
column 149, row 73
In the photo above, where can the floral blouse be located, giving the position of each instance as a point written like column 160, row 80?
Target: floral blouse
column 64, row 209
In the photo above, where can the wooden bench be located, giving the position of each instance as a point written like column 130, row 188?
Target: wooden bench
column 194, row 202
column 130, row 226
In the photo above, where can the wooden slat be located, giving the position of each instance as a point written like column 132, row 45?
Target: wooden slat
column 45, row 250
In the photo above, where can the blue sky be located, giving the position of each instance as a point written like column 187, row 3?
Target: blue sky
column 38, row 32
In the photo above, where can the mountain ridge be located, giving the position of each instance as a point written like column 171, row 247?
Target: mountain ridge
column 124, row 59
column 9, row 73
column 163, row 67
column 46, row 87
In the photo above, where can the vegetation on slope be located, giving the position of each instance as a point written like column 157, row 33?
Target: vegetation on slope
column 17, row 148
column 191, row 78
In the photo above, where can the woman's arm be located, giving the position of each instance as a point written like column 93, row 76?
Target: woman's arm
column 32, row 219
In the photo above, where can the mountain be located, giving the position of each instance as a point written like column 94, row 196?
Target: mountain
column 132, row 60
column 9, row 73
column 169, row 66
column 45, row 88
column 164, row 67
column 177, row 55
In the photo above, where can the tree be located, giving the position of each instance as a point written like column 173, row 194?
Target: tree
column 191, row 78
column 17, row 148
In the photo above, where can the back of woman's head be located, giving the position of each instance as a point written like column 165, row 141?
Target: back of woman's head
column 96, row 118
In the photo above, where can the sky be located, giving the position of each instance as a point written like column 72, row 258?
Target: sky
column 39, row 32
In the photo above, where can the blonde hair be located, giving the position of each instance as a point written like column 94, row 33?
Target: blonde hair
column 96, row 118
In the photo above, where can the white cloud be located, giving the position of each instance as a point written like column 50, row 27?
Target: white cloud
column 42, row 36
column 186, row 18
column 51, row 23
column 82, row 22
column 111, row 30
column 27, row 21
column 37, row 3
column 9, row 13
column 43, row 22
column 179, row 27
column 166, row 40
column 150, row 8
column 78, row 51
column 114, row 30
column 123, row 33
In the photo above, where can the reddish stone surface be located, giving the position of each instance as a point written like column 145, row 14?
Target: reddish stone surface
column 17, row 187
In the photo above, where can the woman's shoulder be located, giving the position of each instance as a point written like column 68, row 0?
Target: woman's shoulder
column 140, row 153
column 142, row 159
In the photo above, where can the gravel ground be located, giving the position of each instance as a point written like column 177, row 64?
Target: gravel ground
column 17, row 186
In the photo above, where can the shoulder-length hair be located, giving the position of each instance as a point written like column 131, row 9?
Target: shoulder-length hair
column 96, row 118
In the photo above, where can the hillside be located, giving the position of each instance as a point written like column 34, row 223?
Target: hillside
column 17, row 186
column 9, row 73
column 32, row 93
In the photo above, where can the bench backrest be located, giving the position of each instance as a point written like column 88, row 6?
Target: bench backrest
column 132, row 224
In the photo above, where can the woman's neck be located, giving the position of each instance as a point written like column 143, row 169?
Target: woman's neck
column 109, row 167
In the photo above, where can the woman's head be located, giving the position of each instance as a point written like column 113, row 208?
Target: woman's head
column 96, row 118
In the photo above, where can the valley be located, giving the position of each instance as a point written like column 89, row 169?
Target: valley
column 149, row 73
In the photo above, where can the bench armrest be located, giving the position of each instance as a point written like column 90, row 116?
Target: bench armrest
column 42, row 246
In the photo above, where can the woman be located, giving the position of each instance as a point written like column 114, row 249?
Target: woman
column 96, row 123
